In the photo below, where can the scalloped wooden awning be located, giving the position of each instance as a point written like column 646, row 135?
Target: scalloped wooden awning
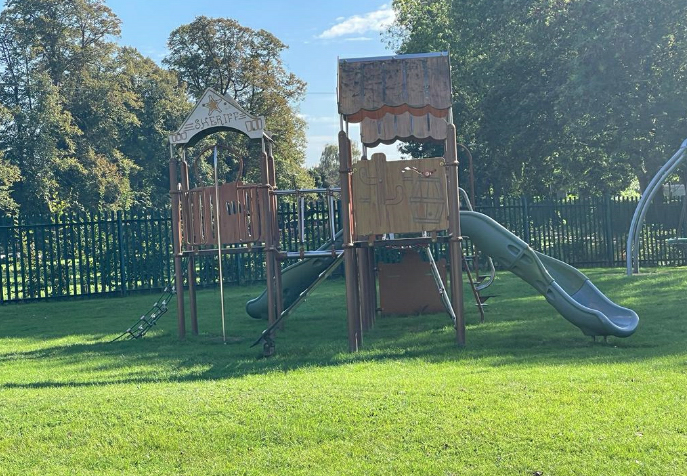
column 405, row 126
column 392, row 93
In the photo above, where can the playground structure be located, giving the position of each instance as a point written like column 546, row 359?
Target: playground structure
column 416, row 201
column 232, row 217
column 632, row 254
column 405, row 204
column 206, row 218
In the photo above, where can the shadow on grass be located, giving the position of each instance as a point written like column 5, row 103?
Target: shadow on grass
column 521, row 330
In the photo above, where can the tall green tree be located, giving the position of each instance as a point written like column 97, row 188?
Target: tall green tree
column 574, row 95
column 326, row 172
column 86, row 119
column 246, row 65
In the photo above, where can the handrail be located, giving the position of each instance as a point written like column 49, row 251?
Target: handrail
column 492, row 270
column 632, row 250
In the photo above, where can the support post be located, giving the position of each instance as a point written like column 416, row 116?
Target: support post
column 191, row 261
column 365, row 292
column 455, row 240
column 176, row 238
column 122, row 267
column 272, row 176
column 270, row 250
column 350, row 262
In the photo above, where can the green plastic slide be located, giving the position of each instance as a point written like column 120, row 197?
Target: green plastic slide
column 569, row 291
column 296, row 279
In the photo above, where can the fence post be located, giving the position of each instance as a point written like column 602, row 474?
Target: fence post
column 609, row 229
column 525, row 219
column 122, row 268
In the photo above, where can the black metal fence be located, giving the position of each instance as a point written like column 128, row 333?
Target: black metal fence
column 80, row 255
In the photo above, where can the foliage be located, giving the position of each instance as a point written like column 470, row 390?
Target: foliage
column 86, row 119
column 9, row 174
column 529, row 393
column 552, row 96
column 245, row 64
column 326, row 173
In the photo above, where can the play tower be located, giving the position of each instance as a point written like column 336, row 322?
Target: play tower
column 221, row 218
column 397, row 203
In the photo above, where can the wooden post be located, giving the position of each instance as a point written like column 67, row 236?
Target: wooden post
column 270, row 250
column 275, row 228
column 191, row 261
column 368, row 285
column 350, row 263
column 176, row 238
column 364, row 292
column 373, row 279
column 455, row 240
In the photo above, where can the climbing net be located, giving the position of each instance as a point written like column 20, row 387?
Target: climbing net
column 150, row 318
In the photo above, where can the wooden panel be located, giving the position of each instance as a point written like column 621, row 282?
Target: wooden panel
column 394, row 84
column 232, row 214
column 251, row 199
column 415, row 74
column 408, row 287
column 373, row 82
column 208, row 216
column 397, row 110
column 391, row 128
column 195, row 218
column 240, row 215
column 394, row 91
column 405, row 196
column 194, row 210
column 439, row 83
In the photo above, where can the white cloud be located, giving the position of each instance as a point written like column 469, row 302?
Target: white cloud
column 328, row 119
column 375, row 21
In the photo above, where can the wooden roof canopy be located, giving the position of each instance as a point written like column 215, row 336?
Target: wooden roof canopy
column 396, row 97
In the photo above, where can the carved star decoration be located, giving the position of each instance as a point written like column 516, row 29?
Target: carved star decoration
column 212, row 105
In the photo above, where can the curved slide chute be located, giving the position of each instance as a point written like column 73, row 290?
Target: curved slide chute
column 297, row 278
column 569, row 291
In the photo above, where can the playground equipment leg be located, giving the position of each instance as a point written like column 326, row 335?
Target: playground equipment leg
column 373, row 285
column 355, row 330
column 355, row 337
column 366, row 295
column 179, row 285
column 191, row 266
column 455, row 249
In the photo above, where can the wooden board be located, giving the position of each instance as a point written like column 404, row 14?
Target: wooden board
column 405, row 126
column 408, row 287
column 240, row 215
column 417, row 84
column 405, row 196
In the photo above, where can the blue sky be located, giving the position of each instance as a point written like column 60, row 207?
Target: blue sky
column 317, row 32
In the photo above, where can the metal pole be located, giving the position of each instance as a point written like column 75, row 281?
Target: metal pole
column 632, row 249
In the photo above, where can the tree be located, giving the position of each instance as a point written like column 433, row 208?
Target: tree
column 558, row 95
column 86, row 120
column 245, row 64
column 326, row 173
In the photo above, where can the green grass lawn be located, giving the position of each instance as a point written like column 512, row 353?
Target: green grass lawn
column 530, row 394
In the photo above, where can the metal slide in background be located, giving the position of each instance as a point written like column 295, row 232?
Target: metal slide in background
column 569, row 291
column 296, row 279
